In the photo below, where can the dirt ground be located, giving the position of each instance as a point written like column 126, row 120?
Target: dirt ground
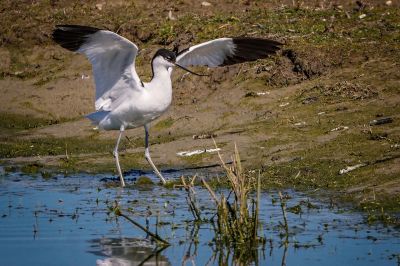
column 300, row 116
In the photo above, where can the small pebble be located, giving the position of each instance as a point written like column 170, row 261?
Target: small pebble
column 381, row 121
column 204, row 3
column 300, row 124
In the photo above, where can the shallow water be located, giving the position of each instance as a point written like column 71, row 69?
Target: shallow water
column 65, row 221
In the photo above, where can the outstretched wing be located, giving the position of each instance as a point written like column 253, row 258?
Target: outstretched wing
column 112, row 57
column 227, row 51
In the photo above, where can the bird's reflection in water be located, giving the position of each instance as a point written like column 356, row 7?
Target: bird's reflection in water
column 127, row 252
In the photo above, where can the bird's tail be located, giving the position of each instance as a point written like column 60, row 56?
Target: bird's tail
column 97, row 117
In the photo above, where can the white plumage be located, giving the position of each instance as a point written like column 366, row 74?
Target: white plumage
column 123, row 101
column 211, row 53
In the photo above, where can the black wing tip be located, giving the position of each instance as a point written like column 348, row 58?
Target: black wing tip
column 73, row 27
column 255, row 39
column 72, row 37
column 257, row 44
column 251, row 48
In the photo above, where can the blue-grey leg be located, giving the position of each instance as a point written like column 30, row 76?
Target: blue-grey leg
column 121, row 177
column 147, row 154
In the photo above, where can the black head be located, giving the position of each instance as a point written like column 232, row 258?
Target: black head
column 167, row 54
column 170, row 56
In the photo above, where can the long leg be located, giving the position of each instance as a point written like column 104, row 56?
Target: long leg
column 121, row 177
column 147, row 154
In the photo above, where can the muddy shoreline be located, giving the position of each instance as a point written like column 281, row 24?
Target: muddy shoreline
column 300, row 117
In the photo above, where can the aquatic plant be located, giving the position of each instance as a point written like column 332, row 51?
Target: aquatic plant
column 118, row 213
column 285, row 222
column 237, row 218
column 191, row 197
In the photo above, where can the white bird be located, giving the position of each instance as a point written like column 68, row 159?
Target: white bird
column 123, row 101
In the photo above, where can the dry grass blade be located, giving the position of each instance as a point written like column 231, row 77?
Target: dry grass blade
column 191, row 197
column 117, row 211
column 286, row 226
column 212, row 193
column 237, row 224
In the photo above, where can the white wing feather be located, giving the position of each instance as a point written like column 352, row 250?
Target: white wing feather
column 113, row 61
column 211, row 53
column 227, row 51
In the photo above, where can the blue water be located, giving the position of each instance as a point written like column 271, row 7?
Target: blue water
column 66, row 221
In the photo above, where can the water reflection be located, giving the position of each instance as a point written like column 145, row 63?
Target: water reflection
column 191, row 253
column 51, row 219
column 127, row 252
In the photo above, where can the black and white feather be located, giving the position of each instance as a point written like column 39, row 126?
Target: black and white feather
column 72, row 37
column 227, row 51
column 112, row 57
column 122, row 100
